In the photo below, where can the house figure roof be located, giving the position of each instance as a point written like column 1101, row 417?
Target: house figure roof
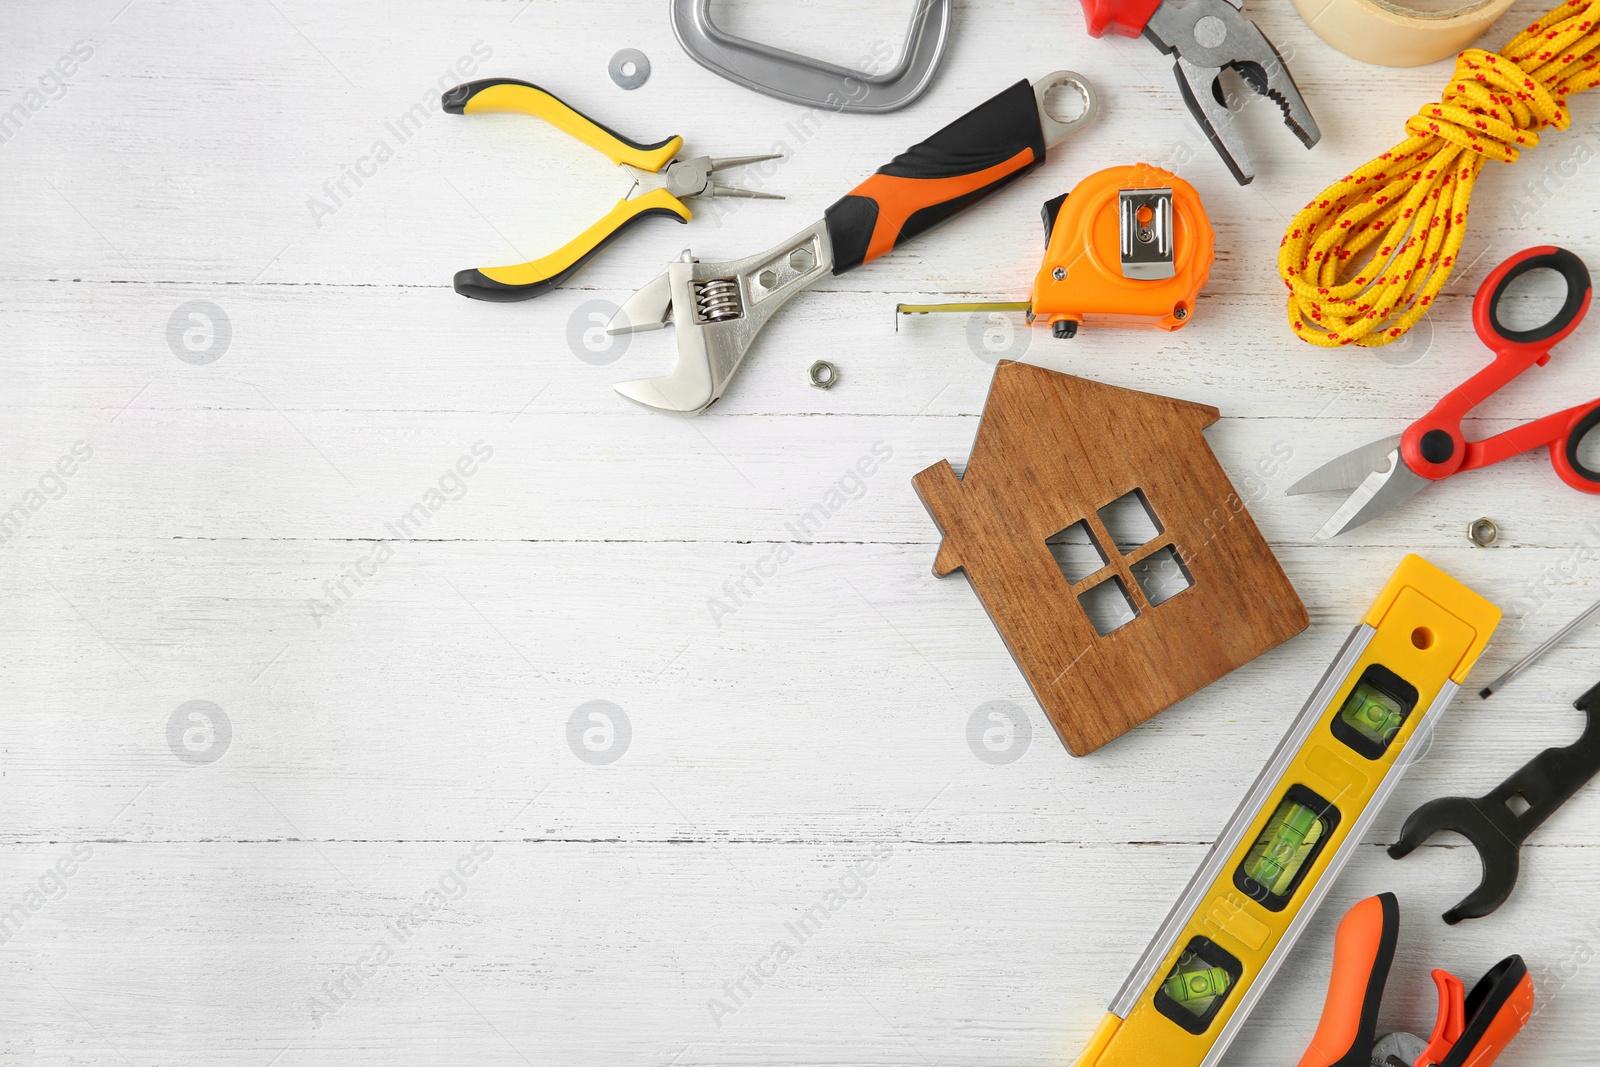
column 1053, row 451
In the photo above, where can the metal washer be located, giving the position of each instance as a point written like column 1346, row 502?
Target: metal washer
column 641, row 68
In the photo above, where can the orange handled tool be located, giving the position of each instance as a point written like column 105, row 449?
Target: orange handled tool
column 975, row 156
column 717, row 309
column 1471, row 1030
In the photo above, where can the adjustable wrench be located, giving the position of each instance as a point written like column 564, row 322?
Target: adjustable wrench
column 718, row 308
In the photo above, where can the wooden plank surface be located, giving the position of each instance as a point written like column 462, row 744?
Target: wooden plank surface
column 783, row 704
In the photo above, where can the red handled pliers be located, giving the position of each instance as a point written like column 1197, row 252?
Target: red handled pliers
column 1203, row 37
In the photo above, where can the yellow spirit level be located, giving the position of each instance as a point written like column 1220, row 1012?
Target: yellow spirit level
column 1218, row 949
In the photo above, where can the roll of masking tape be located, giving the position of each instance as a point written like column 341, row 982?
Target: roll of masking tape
column 1399, row 35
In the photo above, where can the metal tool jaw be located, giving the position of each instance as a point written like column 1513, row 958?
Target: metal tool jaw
column 812, row 82
column 1375, row 474
column 1205, row 36
column 1399, row 1049
column 694, row 176
column 717, row 309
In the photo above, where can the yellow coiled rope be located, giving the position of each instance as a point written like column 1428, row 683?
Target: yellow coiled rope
column 1409, row 206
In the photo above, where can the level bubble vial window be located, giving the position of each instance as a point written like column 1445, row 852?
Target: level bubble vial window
column 1198, row 983
column 1195, row 984
column 1374, row 711
column 1283, row 853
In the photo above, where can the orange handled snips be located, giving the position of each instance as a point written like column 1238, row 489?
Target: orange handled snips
column 1471, row 1029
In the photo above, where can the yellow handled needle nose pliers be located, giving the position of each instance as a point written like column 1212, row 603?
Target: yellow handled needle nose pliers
column 662, row 181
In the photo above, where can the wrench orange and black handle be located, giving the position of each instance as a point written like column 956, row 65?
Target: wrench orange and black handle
column 976, row 155
column 1471, row 1028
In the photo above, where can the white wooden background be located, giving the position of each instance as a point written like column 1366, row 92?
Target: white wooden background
column 213, row 905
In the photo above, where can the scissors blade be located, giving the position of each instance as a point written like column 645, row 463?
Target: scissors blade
column 1379, row 492
column 1347, row 471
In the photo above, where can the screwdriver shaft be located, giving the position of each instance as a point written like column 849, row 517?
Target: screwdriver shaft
column 1532, row 657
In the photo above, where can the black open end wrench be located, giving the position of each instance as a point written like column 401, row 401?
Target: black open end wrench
column 1497, row 829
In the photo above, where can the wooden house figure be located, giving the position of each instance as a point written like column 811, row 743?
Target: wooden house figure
column 1055, row 450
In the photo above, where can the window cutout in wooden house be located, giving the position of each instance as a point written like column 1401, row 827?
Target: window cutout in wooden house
column 1162, row 575
column 1130, row 521
column 1076, row 552
column 1108, row 605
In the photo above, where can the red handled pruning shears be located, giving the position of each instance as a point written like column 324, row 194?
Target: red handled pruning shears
column 1472, row 1029
column 1391, row 471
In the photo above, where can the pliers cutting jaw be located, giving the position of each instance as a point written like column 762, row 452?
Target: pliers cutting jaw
column 687, row 178
column 1204, row 37
column 1207, row 35
column 661, row 184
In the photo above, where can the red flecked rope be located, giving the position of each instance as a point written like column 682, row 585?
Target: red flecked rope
column 1409, row 206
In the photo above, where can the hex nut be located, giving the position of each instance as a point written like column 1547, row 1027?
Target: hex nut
column 1483, row 532
column 823, row 375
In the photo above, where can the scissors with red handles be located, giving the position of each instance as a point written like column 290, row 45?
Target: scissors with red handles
column 1391, row 471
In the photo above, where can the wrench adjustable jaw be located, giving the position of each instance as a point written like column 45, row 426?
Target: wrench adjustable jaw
column 1204, row 36
column 716, row 310
column 719, row 308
